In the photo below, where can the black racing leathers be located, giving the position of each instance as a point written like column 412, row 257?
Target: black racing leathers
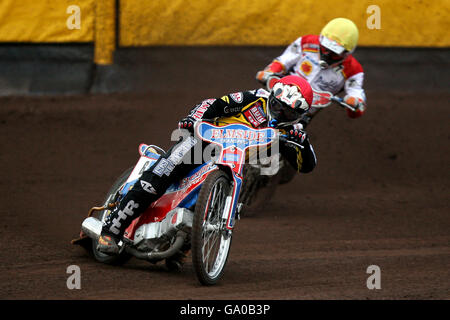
column 249, row 107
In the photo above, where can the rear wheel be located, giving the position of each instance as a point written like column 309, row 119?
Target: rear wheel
column 257, row 189
column 101, row 215
column 286, row 173
column 210, row 239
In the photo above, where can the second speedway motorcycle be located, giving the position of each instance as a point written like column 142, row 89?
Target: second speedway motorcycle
column 259, row 187
column 198, row 212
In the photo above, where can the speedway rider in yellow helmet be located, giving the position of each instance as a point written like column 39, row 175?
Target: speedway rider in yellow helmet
column 326, row 62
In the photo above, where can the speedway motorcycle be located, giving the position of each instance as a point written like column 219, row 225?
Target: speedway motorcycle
column 198, row 212
column 259, row 187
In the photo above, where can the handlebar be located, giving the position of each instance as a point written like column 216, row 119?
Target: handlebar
column 282, row 137
column 341, row 102
column 336, row 99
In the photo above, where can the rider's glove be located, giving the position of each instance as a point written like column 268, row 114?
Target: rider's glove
column 297, row 135
column 187, row 123
column 356, row 103
column 276, row 68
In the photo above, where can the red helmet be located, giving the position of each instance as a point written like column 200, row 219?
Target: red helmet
column 289, row 98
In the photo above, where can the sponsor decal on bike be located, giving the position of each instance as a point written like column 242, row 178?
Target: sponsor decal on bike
column 321, row 98
column 188, row 181
column 236, row 135
column 145, row 167
column 237, row 97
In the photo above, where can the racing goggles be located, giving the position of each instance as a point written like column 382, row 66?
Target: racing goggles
column 282, row 112
column 331, row 52
column 329, row 55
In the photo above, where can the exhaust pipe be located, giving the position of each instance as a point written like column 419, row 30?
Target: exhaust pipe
column 92, row 227
column 157, row 256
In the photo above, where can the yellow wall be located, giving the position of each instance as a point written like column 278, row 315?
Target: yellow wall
column 278, row 22
column 417, row 23
column 105, row 31
column 44, row 21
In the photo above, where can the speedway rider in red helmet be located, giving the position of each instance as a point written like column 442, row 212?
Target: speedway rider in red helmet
column 327, row 63
column 280, row 108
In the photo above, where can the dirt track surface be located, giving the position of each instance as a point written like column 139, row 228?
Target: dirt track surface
column 379, row 196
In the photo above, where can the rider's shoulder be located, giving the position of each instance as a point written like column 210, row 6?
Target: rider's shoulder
column 260, row 93
column 310, row 39
column 351, row 66
column 310, row 42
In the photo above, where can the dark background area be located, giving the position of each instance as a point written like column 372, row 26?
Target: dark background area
column 68, row 68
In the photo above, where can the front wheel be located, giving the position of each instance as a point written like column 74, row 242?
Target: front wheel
column 210, row 239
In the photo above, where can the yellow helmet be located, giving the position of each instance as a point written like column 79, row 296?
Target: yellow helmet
column 343, row 31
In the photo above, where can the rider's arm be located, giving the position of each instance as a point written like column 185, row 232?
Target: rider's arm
column 303, row 160
column 283, row 63
column 291, row 54
column 308, row 116
column 228, row 105
column 354, row 91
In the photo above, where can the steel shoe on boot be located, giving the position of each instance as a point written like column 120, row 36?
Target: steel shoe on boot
column 107, row 244
column 176, row 262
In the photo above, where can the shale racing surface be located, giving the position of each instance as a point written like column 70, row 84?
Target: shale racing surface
column 379, row 196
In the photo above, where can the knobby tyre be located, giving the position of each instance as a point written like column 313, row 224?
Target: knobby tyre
column 210, row 239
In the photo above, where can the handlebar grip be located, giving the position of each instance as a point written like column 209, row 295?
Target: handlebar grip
column 337, row 99
column 341, row 102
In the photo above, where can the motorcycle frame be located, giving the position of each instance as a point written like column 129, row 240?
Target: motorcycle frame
column 184, row 193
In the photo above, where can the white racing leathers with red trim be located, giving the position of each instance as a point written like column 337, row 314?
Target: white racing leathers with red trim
column 302, row 58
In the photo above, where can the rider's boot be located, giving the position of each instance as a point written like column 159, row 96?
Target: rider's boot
column 147, row 189
column 108, row 244
column 135, row 202
column 115, row 224
column 176, row 262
